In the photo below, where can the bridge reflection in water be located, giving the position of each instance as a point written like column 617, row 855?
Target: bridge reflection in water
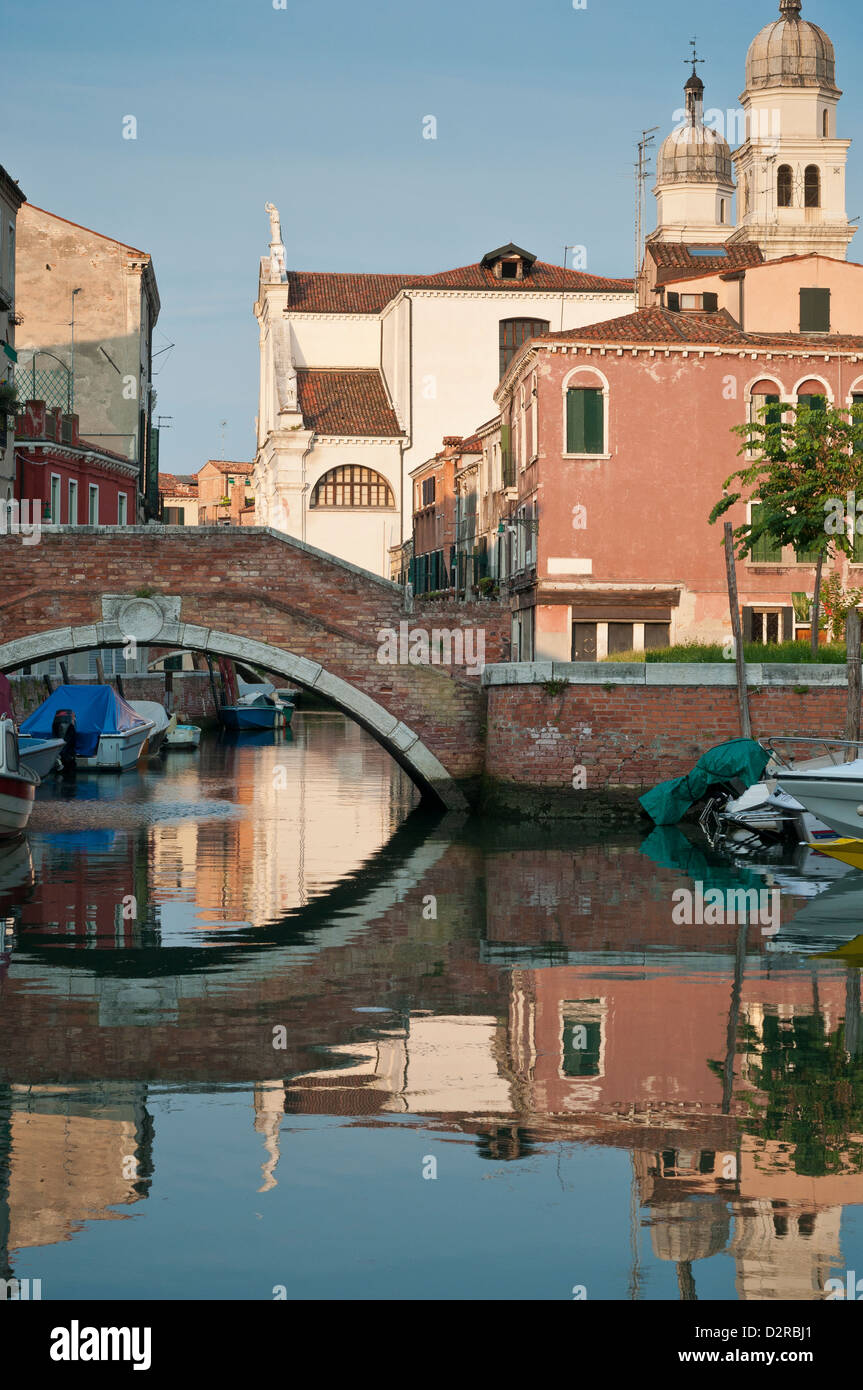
column 261, row 988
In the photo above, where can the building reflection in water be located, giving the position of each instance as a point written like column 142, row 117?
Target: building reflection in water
column 550, row 999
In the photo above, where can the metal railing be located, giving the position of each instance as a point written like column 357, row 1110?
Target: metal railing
column 849, row 748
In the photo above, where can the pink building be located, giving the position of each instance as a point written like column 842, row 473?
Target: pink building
column 615, row 440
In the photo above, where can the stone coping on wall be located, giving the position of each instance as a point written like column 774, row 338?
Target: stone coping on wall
column 662, row 673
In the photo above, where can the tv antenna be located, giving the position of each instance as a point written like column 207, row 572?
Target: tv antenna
column 641, row 172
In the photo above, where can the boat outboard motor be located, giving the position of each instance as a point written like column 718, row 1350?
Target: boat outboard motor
column 64, row 727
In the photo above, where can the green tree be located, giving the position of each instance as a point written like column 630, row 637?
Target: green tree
column 804, row 460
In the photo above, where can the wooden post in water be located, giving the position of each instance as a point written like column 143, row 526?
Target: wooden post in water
column 64, row 672
column 100, row 671
column 731, row 575
column 852, row 651
column 216, row 701
column 169, row 691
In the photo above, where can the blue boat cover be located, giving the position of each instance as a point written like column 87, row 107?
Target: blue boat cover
column 98, row 709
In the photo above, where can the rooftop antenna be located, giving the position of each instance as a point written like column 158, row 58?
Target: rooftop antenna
column 641, row 172
column 223, row 425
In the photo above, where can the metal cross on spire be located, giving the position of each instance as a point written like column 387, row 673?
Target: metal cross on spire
column 693, row 58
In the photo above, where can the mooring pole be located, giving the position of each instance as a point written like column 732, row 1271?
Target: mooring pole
column 852, row 653
column 740, row 664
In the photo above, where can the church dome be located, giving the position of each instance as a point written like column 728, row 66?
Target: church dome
column 790, row 52
column 694, row 154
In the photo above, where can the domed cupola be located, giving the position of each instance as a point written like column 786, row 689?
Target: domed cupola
column 791, row 52
column 791, row 165
column 694, row 184
column 693, row 152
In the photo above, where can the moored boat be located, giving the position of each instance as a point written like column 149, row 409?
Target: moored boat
column 826, row 785
column 256, row 712
column 17, row 783
column 41, row 755
column 184, row 736
column 161, row 721
column 104, row 732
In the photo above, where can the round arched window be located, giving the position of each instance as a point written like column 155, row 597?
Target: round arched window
column 352, row 486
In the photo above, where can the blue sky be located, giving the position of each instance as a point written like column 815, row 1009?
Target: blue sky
column 319, row 107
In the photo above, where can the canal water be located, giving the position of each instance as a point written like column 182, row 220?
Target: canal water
column 268, row 1030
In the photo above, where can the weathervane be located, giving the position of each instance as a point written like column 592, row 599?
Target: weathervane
column 693, row 59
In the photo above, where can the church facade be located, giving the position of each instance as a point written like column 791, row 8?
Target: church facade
column 361, row 376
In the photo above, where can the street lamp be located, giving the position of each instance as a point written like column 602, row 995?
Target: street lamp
column 72, row 356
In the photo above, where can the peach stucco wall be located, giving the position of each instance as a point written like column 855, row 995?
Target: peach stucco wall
column 646, row 505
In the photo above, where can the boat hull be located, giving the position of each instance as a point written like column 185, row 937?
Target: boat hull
column 845, row 850
column 254, row 717
column 838, row 802
column 16, row 803
column 184, row 736
column 117, row 752
column 40, row 755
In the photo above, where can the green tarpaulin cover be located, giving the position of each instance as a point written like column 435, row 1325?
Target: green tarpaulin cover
column 740, row 759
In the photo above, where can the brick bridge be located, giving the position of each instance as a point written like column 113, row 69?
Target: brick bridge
column 263, row 598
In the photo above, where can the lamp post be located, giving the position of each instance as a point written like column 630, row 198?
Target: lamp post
column 72, row 357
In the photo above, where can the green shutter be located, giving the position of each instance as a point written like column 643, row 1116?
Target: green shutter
column 766, row 551
column 814, row 311
column 584, row 421
column 813, row 402
column 593, row 411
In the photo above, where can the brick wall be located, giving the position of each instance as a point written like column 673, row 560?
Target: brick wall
column 192, row 695
column 253, row 583
column 627, row 738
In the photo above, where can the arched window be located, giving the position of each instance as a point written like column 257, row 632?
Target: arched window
column 825, row 123
column 513, row 333
column 784, row 184
column 352, row 486
column 812, row 186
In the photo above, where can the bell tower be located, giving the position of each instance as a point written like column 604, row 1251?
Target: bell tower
column 791, row 166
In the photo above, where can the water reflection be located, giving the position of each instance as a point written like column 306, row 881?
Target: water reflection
column 266, row 968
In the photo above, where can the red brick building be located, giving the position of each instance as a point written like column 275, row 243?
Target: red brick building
column 77, row 482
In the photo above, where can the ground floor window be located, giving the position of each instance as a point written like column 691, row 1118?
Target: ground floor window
column 522, row 638
column 591, row 641
column 768, row 624
column 584, row 641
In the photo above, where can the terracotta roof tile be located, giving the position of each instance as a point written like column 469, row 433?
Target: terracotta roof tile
column 325, row 292
column 346, row 401
column 715, row 330
column 231, row 466
column 675, row 261
column 173, row 485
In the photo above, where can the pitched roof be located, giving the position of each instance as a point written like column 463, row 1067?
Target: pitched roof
column 346, row 401
column 675, row 261
column 230, row 466
column 326, row 292
column 177, row 485
column 672, row 329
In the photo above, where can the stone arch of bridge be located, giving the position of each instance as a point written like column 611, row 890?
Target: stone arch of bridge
column 402, row 743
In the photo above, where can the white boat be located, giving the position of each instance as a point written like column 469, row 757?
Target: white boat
column 827, row 786
column 41, row 755
column 17, row 783
column 183, row 736
column 161, row 721
column 103, row 732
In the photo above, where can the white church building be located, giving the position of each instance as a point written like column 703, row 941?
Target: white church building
column 361, row 376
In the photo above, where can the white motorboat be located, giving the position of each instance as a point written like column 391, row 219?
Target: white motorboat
column 827, row 786
column 17, row 783
column 100, row 729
